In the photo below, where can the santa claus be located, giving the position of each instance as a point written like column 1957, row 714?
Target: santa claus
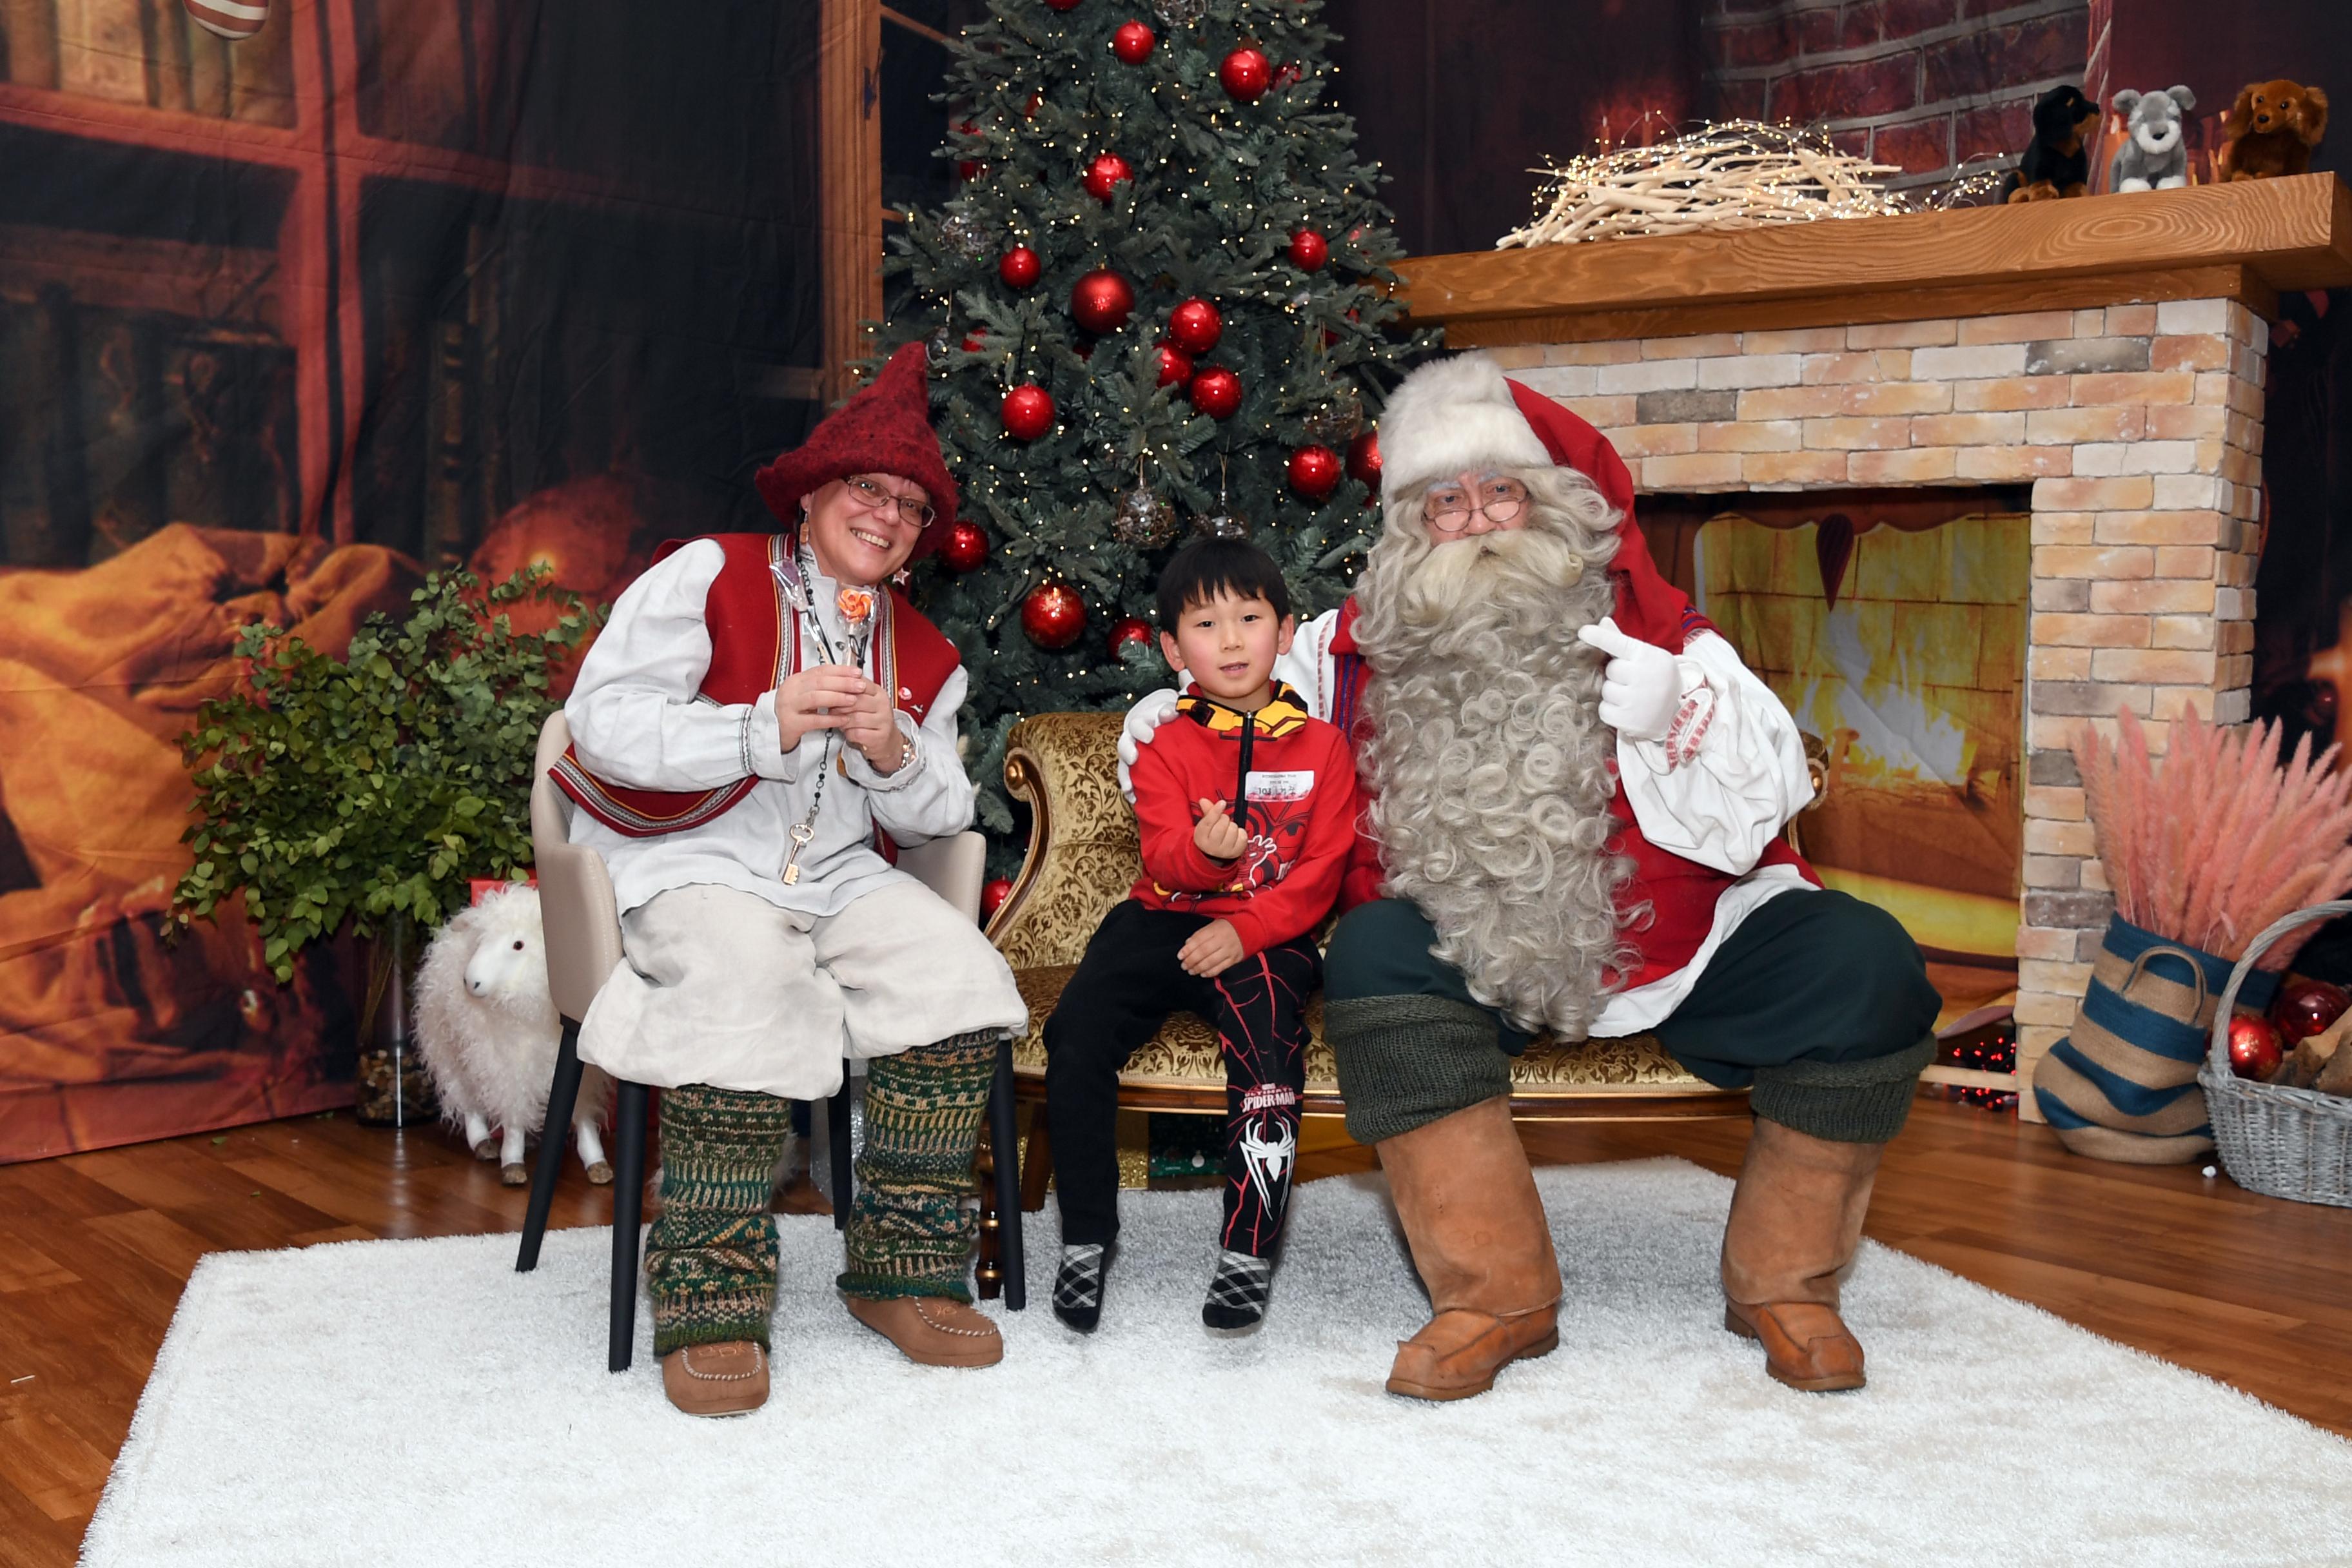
column 1578, row 793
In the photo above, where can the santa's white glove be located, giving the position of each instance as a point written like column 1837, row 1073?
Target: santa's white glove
column 1642, row 687
column 1150, row 711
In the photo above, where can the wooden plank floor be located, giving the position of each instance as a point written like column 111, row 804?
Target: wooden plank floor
column 94, row 1249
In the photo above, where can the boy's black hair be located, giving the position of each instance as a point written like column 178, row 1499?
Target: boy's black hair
column 1208, row 567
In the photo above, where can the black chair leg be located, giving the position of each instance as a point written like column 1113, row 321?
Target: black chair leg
column 563, row 1095
column 836, row 1123
column 628, row 1212
column 1004, row 1131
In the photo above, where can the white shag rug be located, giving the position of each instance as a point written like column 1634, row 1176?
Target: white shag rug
column 391, row 1403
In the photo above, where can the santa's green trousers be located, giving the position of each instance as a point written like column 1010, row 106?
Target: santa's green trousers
column 1818, row 1001
column 710, row 1260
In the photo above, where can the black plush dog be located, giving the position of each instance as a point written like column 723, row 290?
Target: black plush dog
column 2055, row 163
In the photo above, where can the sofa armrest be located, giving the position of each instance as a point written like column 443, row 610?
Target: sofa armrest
column 1082, row 846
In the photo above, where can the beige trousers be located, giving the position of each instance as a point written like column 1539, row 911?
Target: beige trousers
column 723, row 988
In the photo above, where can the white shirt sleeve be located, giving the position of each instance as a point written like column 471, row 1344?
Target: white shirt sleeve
column 1725, row 781
column 930, row 795
column 635, row 715
column 1308, row 666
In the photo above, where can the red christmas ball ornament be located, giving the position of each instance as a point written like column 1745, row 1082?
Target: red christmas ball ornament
column 1195, row 326
column 1132, row 43
column 1314, row 471
column 1309, row 250
column 1246, row 73
column 2306, row 1008
column 974, row 340
column 1175, row 365
column 1062, row 5
column 2255, row 1049
column 1100, row 300
column 1105, row 175
column 1216, row 392
column 1129, row 629
column 1029, row 110
column 1053, row 615
column 1028, row 412
column 965, row 547
column 967, row 168
column 1020, row 268
column 1364, row 458
column 993, row 894
column 1288, row 74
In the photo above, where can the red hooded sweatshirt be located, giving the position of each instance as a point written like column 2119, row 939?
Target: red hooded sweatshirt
column 1292, row 780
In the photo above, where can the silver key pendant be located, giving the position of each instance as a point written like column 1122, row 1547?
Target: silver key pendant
column 801, row 833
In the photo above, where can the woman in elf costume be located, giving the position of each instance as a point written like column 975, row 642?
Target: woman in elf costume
column 761, row 721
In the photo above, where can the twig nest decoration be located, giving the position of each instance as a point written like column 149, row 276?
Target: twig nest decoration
column 1741, row 173
column 1143, row 520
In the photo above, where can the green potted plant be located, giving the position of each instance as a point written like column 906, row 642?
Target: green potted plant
column 368, row 791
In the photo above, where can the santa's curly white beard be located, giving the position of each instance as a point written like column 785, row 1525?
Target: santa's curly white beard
column 1489, row 763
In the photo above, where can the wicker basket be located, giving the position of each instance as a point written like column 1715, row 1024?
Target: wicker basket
column 2280, row 1142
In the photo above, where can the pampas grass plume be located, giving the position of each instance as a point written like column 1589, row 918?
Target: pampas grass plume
column 2220, row 840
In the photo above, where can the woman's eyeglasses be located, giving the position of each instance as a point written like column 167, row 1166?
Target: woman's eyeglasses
column 873, row 497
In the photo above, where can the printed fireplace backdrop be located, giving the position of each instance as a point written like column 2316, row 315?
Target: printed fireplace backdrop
column 285, row 324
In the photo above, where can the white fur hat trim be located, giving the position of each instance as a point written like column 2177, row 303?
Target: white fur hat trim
column 1450, row 416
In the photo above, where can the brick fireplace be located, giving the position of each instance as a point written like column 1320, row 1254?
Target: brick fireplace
column 2102, row 359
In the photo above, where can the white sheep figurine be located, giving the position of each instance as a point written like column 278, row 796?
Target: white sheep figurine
column 488, row 1033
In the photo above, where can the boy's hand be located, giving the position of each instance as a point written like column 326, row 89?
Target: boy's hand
column 1218, row 834
column 1213, row 949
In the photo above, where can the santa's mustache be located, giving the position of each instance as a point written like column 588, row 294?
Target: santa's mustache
column 1464, row 570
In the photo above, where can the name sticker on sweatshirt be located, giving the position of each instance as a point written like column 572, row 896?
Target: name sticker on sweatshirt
column 1294, row 784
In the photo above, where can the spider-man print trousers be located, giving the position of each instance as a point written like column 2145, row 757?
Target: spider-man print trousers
column 1125, row 988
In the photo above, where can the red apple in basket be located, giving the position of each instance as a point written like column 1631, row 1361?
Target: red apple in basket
column 2255, row 1050
column 2304, row 1008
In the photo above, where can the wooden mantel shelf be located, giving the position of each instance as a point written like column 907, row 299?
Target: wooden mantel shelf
column 2246, row 241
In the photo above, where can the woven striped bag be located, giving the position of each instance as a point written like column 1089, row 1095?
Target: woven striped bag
column 2123, row 1084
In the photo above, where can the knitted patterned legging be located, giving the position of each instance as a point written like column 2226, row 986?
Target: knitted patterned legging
column 711, row 1261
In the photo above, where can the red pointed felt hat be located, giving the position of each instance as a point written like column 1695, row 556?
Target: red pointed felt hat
column 884, row 428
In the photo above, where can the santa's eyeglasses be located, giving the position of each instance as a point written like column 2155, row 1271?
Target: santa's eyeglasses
column 874, row 498
column 1447, row 507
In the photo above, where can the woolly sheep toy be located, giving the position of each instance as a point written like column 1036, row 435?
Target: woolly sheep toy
column 488, row 1033
column 2154, row 156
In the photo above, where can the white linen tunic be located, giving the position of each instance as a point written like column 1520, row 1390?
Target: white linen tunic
column 1719, row 807
column 669, row 1016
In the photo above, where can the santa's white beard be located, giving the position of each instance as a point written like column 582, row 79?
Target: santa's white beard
column 1490, row 768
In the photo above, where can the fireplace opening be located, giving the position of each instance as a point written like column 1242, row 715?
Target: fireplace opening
column 1892, row 625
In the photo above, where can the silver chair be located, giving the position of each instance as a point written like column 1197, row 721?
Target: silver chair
column 583, row 923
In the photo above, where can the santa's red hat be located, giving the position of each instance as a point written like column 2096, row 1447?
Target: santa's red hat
column 884, row 428
column 1463, row 414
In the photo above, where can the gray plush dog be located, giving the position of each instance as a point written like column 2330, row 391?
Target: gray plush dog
column 2152, row 156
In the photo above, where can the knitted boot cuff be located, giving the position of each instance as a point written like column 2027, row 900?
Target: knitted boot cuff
column 1404, row 1061
column 712, row 1316
column 1844, row 1102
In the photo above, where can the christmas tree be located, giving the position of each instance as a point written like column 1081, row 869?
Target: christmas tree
column 1155, row 306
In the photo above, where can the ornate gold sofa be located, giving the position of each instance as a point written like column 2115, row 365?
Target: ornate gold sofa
column 1083, row 859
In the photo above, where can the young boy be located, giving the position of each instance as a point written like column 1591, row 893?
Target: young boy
column 1246, row 814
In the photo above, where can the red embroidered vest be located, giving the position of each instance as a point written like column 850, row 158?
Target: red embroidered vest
column 753, row 634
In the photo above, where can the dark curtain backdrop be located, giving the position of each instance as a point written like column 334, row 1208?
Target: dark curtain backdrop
column 1459, row 99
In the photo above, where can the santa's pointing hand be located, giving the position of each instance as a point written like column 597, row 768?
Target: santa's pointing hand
column 1641, row 688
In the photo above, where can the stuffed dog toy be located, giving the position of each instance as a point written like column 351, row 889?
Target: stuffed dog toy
column 2272, row 129
column 2054, row 163
column 2154, row 156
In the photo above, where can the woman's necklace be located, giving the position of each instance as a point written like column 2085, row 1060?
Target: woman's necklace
column 857, row 607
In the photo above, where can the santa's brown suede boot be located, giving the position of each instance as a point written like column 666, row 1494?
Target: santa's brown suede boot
column 1468, row 1204
column 1796, row 1219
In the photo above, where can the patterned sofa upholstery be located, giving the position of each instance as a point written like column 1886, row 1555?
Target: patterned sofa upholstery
column 1083, row 859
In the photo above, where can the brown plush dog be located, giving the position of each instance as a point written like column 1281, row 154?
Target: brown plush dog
column 2272, row 129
